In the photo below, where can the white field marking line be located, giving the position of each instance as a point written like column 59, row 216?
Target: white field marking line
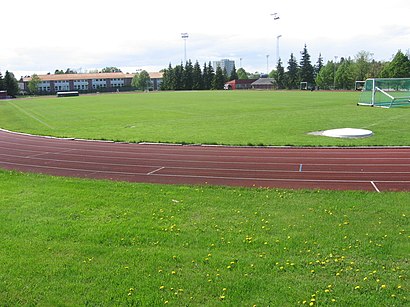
column 154, row 171
column 375, row 187
column 198, row 176
column 37, row 157
column 30, row 115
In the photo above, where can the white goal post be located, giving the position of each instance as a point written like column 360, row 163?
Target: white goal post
column 385, row 92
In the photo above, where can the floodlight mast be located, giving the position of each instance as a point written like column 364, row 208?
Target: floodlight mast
column 277, row 49
column 267, row 64
column 334, row 73
column 276, row 17
column 184, row 36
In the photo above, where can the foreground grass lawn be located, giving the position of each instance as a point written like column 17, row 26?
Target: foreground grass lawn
column 208, row 117
column 78, row 242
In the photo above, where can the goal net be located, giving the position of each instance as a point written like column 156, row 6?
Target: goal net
column 385, row 92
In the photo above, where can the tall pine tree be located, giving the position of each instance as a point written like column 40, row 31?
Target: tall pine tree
column 280, row 75
column 218, row 81
column 291, row 76
column 234, row 75
column 188, row 76
column 318, row 66
column 306, row 72
column 197, row 82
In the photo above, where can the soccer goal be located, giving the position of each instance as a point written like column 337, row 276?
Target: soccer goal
column 385, row 92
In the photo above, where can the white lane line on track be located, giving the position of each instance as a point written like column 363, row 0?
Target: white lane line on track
column 204, row 176
column 156, row 170
column 375, row 187
column 204, row 154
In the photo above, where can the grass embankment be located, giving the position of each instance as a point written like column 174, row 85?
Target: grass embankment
column 81, row 242
column 215, row 117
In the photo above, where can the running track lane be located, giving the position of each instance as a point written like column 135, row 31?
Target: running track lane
column 370, row 169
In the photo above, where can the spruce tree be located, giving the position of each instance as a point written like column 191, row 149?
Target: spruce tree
column 318, row 66
column 178, row 78
column 208, row 76
column 234, row 74
column 218, row 81
column 280, row 75
column 188, row 76
column 306, row 69
column 291, row 76
column 197, row 82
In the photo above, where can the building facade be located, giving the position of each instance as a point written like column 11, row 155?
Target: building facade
column 226, row 64
column 98, row 82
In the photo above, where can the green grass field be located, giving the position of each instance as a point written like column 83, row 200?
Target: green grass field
column 215, row 117
column 72, row 242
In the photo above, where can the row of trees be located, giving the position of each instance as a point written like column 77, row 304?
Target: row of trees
column 9, row 84
column 73, row 71
column 192, row 77
column 339, row 75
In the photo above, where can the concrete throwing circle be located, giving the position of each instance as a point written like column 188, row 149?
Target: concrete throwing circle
column 348, row 133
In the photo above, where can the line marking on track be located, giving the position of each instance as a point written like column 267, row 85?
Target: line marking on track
column 300, row 167
column 154, row 171
column 375, row 187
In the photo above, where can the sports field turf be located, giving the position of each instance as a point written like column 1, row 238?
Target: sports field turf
column 71, row 242
column 212, row 117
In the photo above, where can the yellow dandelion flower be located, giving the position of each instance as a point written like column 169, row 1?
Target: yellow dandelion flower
column 357, row 287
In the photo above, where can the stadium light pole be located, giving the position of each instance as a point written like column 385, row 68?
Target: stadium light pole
column 276, row 17
column 277, row 48
column 267, row 64
column 184, row 36
column 334, row 73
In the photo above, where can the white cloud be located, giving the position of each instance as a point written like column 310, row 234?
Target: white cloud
column 127, row 33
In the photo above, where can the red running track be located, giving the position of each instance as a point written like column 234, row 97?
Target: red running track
column 370, row 169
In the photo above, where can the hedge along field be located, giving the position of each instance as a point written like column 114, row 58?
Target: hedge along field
column 209, row 117
column 75, row 242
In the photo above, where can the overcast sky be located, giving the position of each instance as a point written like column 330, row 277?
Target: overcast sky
column 44, row 35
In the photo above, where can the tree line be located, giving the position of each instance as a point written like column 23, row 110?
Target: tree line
column 193, row 77
column 338, row 75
